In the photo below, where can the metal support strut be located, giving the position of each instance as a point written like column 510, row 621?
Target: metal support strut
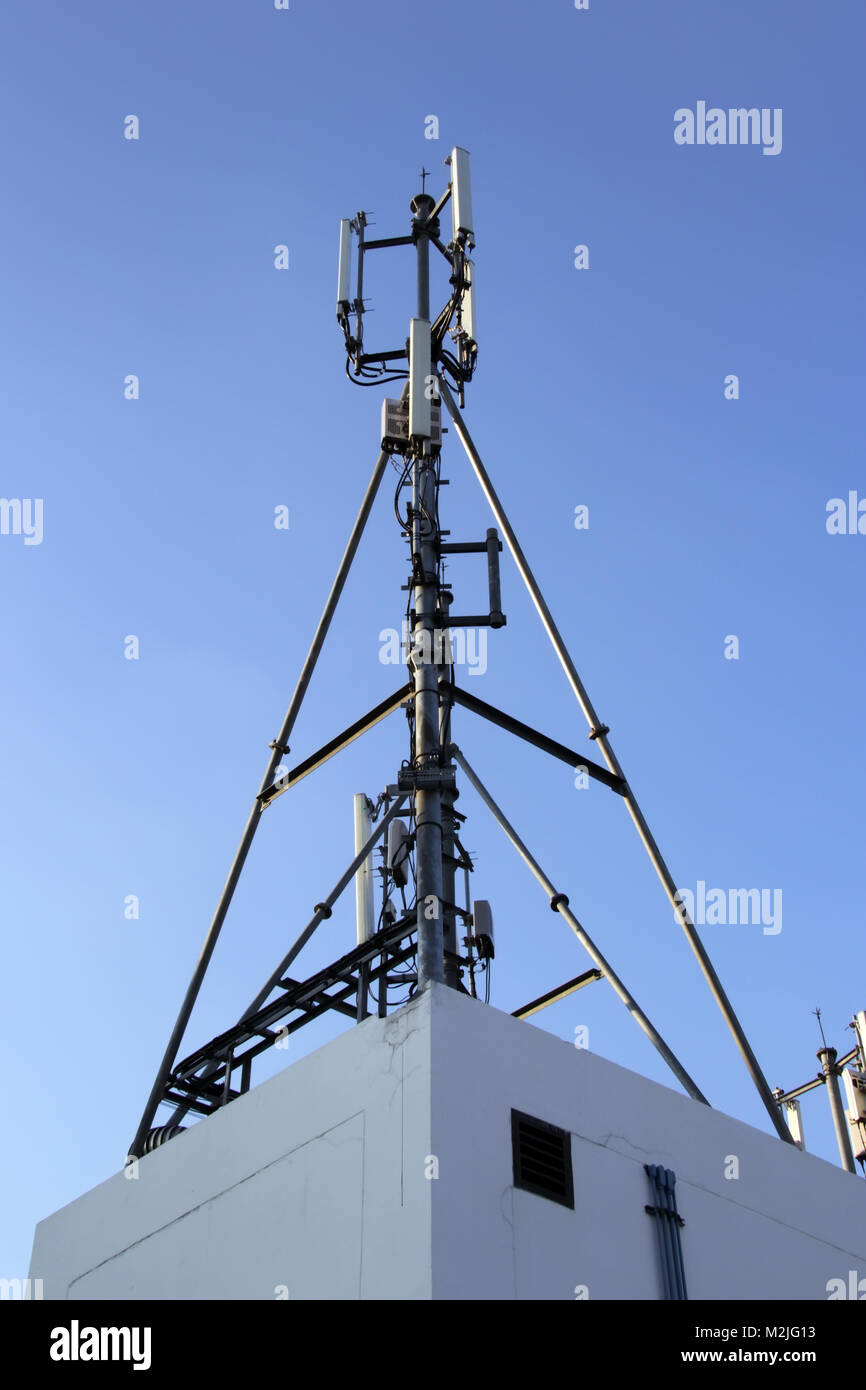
column 599, row 732
column 559, row 903
column 278, row 746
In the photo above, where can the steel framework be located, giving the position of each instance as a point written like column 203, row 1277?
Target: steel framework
column 428, row 932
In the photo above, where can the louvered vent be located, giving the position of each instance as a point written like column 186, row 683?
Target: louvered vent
column 542, row 1158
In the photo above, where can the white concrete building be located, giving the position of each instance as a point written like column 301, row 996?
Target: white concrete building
column 382, row 1166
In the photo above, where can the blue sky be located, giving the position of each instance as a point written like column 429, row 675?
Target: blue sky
column 602, row 387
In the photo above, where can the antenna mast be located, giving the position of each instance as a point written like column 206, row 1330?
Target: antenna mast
column 431, row 766
column 427, row 931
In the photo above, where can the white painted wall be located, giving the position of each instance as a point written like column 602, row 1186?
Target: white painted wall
column 787, row 1225
column 299, row 1183
column 319, row 1180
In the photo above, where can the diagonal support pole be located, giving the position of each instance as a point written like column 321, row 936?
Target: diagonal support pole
column 322, row 912
column 336, row 745
column 554, row 996
column 559, row 903
column 530, row 735
column 598, row 732
column 279, row 747
column 323, row 909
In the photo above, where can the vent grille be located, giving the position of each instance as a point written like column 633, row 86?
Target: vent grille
column 542, row 1159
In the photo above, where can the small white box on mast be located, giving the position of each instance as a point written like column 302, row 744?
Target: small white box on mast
column 395, row 425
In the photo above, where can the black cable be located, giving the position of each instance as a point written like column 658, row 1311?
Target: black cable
column 375, row 376
column 404, row 478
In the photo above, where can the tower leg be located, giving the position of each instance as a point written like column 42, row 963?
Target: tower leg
column 598, row 732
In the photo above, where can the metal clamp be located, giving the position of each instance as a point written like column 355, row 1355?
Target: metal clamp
column 419, row 779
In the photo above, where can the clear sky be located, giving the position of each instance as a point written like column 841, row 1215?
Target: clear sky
column 601, row 387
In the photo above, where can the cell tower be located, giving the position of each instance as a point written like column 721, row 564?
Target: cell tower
column 433, row 938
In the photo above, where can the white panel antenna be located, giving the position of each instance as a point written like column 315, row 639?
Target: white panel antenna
column 461, row 197
column 482, row 923
column 364, row 909
column 399, row 844
column 794, row 1121
column 855, row 1094
column 468, row 309
column 344, row 270
column 419, row 378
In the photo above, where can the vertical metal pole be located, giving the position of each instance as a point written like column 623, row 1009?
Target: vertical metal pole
column 827, row 1058
column 359, row 301
column 422, row 205
column 364, row 911
column 363, row 991
column 599, row 731
column 496, row 616
column 382, row 987
column 426, row 753
column 449, row 823
column 470, row 953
